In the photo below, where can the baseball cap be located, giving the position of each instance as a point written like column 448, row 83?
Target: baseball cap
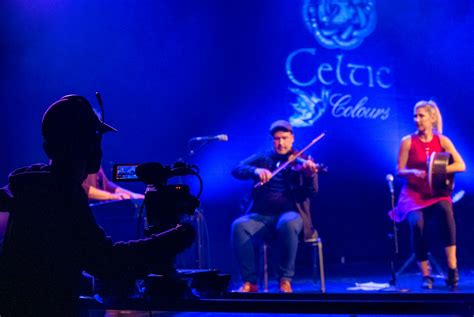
column 72, row 115
column 280, row 125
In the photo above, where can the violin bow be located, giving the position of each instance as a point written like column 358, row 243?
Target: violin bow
column 293, row 158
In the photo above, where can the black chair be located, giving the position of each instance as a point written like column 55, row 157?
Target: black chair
column 316, row 246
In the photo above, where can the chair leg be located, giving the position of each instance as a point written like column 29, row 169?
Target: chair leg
column 265, row 268
column 321, row 266
column 318, row 264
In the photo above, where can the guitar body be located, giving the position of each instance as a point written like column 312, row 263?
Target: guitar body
column 441, row 183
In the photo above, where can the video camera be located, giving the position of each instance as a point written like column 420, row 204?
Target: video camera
column 166, row 206
column 165, row 203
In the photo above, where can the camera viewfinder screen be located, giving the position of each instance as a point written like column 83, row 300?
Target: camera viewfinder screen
column 125, row 172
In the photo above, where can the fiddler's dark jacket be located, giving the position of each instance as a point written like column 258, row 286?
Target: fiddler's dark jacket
column 302, row 187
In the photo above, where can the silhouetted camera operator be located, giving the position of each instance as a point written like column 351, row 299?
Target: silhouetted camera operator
column 52, row 235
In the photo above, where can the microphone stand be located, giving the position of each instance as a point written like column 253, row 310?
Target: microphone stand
column 395, row 251
column 201, row 144
column 393, row 281
column 203, row 260
column 201, row 227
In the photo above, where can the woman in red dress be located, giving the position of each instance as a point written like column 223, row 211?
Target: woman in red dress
column 416, row 202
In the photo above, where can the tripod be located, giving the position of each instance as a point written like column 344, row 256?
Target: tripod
column 431, row 259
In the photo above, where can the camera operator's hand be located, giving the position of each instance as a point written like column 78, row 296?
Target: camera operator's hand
column 155, row 253
column 175, row 240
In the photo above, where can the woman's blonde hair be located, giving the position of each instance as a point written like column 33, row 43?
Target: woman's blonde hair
column 433, row 110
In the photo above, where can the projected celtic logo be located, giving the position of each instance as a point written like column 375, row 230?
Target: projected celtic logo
column 338, row 81
column 340, row 23
column 341, row 85
column 308, row 108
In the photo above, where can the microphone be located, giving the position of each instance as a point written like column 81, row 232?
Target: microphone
column 99, row 98
column 219, row 137
column 389, row 179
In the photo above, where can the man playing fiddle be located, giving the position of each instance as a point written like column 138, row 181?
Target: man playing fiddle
column 280, row 208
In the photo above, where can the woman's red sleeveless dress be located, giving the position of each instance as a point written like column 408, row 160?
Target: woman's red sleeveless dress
column 415, row 193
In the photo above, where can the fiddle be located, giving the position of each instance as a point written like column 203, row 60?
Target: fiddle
column 299, row 163
column 293, row 158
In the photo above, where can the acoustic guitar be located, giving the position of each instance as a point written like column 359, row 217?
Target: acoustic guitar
column 441, row 183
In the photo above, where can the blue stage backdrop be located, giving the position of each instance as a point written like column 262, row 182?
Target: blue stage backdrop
column 172, row 70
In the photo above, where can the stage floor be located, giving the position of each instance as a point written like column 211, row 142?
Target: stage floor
column 340, row 299
column 344, row 279
column 200, row 314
